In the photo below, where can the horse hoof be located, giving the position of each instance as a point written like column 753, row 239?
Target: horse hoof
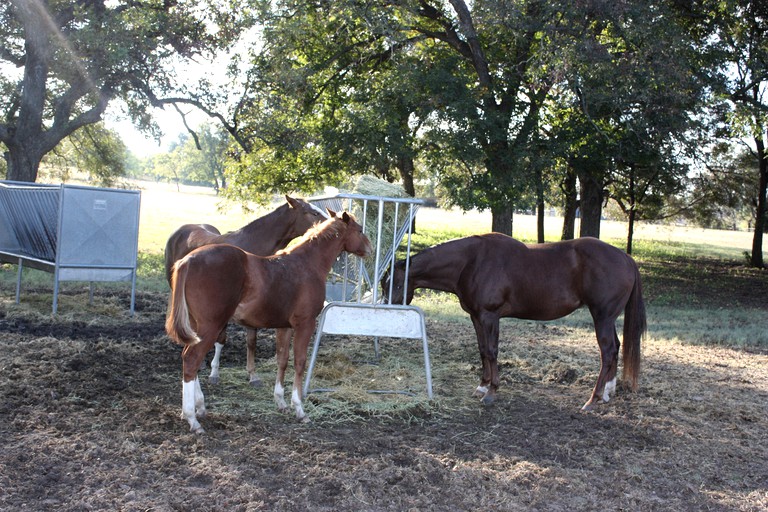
column 588, row 407
column 488, row 400
column 255, row 382
column 198, row 431
column 305, row 420
column 213, row 379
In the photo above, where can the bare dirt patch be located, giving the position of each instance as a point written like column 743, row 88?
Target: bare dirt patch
column 90, row 403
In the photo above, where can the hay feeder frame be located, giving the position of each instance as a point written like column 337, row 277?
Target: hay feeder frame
column 354, row 304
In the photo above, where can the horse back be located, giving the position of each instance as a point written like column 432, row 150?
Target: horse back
column 184, row 240
column 215, row 281
column 543, row 281
column 279, row 291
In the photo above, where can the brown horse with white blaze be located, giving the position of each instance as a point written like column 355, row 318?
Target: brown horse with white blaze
column 263, row 236
column 216, row 283
column 495, row 276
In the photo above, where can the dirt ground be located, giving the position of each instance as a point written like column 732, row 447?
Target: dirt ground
column 90, row 420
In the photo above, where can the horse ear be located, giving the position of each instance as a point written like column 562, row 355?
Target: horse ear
column 331, row 213
column 345, row 217
column 291, row 201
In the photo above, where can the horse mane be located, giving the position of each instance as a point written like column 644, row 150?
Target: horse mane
column 331, row 228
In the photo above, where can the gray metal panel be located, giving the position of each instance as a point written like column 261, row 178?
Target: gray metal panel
column 95, row 274
column 78, row 233
column 99, row 227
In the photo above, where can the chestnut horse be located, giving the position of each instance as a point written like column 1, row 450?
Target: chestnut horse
column 262, row 237
column 286, row 291
column 496, row 276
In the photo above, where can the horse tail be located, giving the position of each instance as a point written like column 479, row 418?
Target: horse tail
column 635, row 327
column 177, row 322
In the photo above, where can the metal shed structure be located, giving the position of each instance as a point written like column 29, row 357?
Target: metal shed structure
column 355, row 305
column 76, row 232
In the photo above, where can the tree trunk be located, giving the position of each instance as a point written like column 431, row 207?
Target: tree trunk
column 23, row 163
column 756, row 260
column 24, row 158
column 539, row 208
column 630, row 230
column 570, row 204
column 501, row 220
column 31, row 138
column 632, row 211
column 406, row 167
column 591, row 204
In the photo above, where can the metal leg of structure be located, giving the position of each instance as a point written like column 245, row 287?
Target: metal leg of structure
column 321, row 331
column 133, row 292
column 427, row 368
column 18, row 280
column 315, row 350
column 55, row 291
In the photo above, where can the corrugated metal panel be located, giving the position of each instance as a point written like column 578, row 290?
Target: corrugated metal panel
column 30, row 219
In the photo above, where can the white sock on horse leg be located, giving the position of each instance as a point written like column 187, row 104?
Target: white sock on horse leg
column 188, row 399
column 610, row 387
column 280, row 396
column 216, row 360
column 297, row 405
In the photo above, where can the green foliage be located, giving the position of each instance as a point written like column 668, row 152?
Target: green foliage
column 723, row 196
column 487, row 99
column 198, row 159
column 150, row 272
column 95, row 151
column 739, row 47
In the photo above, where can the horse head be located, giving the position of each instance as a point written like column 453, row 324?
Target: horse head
column 397, row 285
column 355, row 241
column 305, row 215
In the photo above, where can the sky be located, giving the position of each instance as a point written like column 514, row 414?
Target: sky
column 214, row 71
column 142, row 145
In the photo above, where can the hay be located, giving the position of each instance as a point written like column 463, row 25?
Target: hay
column 372, row 186
column 347, row 369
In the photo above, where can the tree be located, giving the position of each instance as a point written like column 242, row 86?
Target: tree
column 95, row 150
column 624, row 116
column 325, row 104
column 742, row 44
column 723, row 195
column 202, row 157
column 64, row 62
column 197, row 158
column 476, row 122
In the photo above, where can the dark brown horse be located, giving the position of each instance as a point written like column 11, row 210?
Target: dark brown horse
column 262, row 237
column 216, row 283
column 495, row 276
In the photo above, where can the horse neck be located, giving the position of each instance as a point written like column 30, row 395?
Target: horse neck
column 277, row 224
column 321, row 250
column 429, row 270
